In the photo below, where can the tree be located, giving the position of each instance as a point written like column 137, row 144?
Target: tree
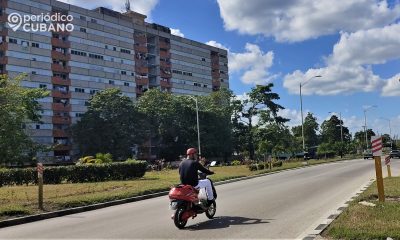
column 112, row 124
column 18, row 106
column 260, row 103
column 310, row 131
column 359, row 137
column 173, row 124
column 331, row 133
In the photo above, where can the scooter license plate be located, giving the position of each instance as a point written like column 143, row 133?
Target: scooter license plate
column 173, row 205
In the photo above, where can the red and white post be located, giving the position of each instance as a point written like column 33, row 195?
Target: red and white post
column 387, row 163
column 40, row 170
column 376, row 142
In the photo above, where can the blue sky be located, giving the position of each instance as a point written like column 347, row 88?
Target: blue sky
column 353, row 44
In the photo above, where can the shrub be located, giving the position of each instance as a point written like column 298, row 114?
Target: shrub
column 277, row 164
column 252, row 167
column 76, row 173
column 236, row 163
column 260, row 166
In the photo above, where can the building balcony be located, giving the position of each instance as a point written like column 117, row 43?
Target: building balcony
column 4, row 32
column 3, row 46
column 215, row 65
column 165, row 45
column 56, row 42
column 59, row 133
column 215, row 74
column 3, row 60
column 165, row 64
column 60, row 107
column 165, row 84
column 139, row 91
column 62, row 147
column 59, row 68
column 59, row 94
column 143, row 70
column 140, row 48
column 4, row 17
column 165, row 75
column 60, row 81
column 140, row 39
column 142, row 81
column 3, row 4
column 164, row 54
column 61, row 120
column 216, row 83
column 60, row 56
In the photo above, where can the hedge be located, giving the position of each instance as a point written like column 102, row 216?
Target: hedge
column 75, row 174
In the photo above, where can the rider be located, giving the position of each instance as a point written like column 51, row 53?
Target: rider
column 188, row 173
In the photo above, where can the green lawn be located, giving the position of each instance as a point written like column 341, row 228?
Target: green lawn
column 22, row 200
column 363, row 222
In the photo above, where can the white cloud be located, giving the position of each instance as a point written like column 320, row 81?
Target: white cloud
column 348, row 68
column 141, row 6
column 252, row 64
column 297, row 20
column 392, row 86
column 293, row 115
column 216, row 44
column 374, row 46
column 177, row 32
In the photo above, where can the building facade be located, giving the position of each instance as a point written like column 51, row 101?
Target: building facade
column 106, row 49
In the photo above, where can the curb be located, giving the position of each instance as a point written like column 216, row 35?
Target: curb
column 60, row 213
column 316, row 234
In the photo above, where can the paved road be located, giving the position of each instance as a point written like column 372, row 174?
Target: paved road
column 286, row 205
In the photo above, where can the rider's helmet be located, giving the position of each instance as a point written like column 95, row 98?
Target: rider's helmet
column 191, row 151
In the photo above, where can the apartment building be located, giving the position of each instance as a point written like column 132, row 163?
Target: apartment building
column 106, row 49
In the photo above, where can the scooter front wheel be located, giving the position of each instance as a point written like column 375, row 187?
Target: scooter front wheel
column 212, row 209
column 178, row 221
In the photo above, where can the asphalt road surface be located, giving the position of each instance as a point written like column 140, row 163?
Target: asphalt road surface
column 286, row 205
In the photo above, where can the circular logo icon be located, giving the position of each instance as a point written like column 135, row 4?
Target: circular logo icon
column 14, row 21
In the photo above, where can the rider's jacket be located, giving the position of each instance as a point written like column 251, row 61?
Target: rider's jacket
column 188, row 171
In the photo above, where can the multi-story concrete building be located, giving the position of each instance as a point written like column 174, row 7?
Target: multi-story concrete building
column 105, row 49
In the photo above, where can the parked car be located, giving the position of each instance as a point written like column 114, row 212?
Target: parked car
column 367, row 154
column 394, row 154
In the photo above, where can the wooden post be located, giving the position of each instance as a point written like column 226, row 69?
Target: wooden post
column 379, row 179
column 40, row 184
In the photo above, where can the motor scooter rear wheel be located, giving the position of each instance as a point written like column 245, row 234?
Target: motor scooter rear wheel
column 212, row 209
column 178, row 221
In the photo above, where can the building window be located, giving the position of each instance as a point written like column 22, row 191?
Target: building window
column 111, row 82
column 80, row 90
column 83, row 18
column 93, row 91
column 93, row 20
column 96, row 56
column 132, row 74
column 106, row 46
column 126, row 84
column 203, row 59
column 114, row 48
column 33, row 72
column 125, row 51
column 123, row 72
column 177, row 72
column 87, row 103
column 37, row 126
column 79, row 53
column 83, row 30
column 13, row 40
column 78, row 114
column 205, row 85
column 36, row 45
column 197, row 84
column 43, row 86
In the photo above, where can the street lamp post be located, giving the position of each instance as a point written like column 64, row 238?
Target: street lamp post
column 390, row 133
column 365, row 124
column 198, row 124
column 301, row 109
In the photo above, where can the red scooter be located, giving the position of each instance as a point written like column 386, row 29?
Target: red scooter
column 186, row 203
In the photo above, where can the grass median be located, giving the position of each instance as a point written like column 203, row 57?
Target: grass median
column 366, row 222
column 22, row 200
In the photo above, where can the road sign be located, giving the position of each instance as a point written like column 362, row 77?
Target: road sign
column 387, row 160
column 40, row 168
column 376, row 143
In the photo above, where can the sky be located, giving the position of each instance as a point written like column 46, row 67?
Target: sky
column 354, row 45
